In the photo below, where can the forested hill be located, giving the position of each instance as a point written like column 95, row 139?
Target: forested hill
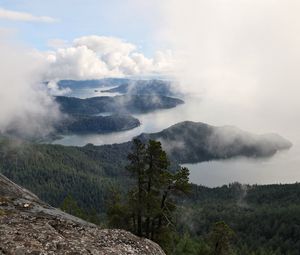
column 84, row 124
column 265, row 218
column 53, row 171
column 145, row 87
column 191, row 142
column 117, row 104
column 124, row 86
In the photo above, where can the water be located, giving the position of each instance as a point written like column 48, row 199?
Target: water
column 91, row 92
column 281, row 168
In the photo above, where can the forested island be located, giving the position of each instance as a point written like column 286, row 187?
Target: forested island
column 87, row 124
column 125, row 104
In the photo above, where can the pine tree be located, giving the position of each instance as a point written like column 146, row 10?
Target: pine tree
column 149, row 205
column 137, row 194
column 220, row 238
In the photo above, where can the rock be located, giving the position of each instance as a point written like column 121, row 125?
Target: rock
column 30, row 226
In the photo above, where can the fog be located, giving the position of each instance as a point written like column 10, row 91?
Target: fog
column 26, row 107
column 242, row 58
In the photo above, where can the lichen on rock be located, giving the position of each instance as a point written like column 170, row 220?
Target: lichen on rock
column 30, row 226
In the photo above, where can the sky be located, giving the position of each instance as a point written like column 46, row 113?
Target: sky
column 132, row 20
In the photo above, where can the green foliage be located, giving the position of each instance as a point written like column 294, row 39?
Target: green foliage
column 265, row 219
column 128, row 103
column 70, row 206
column 54, row 171
column 220, row 238
column 84, row 124
column 149, row 205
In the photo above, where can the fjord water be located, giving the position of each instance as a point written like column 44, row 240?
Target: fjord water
column 281, row 168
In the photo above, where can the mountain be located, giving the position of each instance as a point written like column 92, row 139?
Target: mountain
column 191, row 142
column 83, row 124
column 30, row 226
column 125, row 104
column 124, row 86
column 144, row 87
column 109, row 82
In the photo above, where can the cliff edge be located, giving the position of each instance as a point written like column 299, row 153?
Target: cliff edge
column 30, row 226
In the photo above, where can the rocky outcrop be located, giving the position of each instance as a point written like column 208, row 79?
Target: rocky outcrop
column 30, row 226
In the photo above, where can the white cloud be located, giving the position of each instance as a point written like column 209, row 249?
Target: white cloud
column 26, row 106
column 92, row 57
column 55, row 90
column 104, row 45
column 242, row 57
column 24, row 16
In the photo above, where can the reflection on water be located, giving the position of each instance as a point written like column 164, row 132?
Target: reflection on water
column 282, row 168
column 91, row 92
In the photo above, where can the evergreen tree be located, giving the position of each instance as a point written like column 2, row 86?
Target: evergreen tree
column 220, row 238
column 150, row 204
column 69, row 205
column 137, row 194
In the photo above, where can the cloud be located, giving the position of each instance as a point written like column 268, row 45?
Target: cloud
column 92, row 57
column 55, row 90
column 24, row 16
column 104, row 45
column 242, row 57
column 26, row 106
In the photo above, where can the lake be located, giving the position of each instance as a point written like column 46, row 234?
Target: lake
column 281, row 168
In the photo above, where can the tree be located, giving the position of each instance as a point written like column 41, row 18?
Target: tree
column 220, row 239
column 137, row 170
column 150, row 202
column 69, row 205
column 157, row 177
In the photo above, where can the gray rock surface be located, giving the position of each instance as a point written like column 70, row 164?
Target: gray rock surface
column 30, row 226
